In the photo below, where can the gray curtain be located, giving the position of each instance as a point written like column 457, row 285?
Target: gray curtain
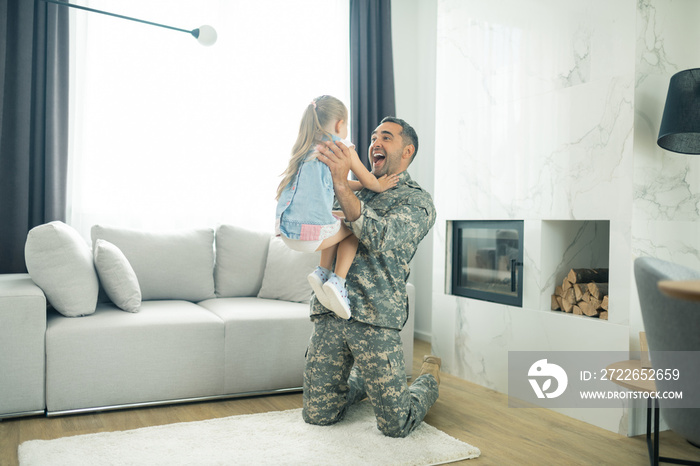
column 371, row 69
column 33, row 122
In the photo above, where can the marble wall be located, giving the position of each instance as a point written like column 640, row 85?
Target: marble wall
column 666, row 205
column 547, row 111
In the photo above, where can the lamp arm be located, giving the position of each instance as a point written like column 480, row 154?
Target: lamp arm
column 92, row 10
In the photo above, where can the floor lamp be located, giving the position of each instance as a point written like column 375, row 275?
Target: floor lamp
column 205, row 35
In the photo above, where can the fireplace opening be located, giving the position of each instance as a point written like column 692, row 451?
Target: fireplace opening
column 575, row 265
column 487, row 260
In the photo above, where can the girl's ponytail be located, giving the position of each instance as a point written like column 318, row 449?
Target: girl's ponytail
column 320, row 112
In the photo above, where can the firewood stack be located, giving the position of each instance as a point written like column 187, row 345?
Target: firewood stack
column 583, row 292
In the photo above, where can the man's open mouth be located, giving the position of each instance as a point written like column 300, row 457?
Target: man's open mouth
column 378, row 158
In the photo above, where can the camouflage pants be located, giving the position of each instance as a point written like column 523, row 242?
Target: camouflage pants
column 348, row 360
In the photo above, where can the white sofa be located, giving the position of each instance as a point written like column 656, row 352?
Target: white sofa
column 212, row 314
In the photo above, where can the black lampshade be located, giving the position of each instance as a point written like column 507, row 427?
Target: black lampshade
column 680, row 125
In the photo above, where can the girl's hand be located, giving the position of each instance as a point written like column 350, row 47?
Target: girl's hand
column 387, row 182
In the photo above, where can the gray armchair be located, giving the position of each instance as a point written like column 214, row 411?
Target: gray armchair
column 671, row 325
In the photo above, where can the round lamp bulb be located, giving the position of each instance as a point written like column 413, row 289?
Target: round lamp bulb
column 207, row 35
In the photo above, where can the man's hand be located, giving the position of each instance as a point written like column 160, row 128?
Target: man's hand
column 338, row 157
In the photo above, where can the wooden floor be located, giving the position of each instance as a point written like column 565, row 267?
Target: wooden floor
column 474, row 414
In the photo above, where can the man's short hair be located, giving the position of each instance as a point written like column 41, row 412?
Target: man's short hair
column 408, row 134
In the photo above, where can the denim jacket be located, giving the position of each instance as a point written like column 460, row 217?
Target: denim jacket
column 305, row 205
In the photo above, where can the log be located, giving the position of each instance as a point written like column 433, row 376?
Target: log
column 583, row 292
column 586, row 296
column 598, row 289
column 568, row 300
column 588, row 275
column 589, row 309
column 595, row 303
column 555, row 306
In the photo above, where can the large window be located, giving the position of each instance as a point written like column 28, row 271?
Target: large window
column 166, row 133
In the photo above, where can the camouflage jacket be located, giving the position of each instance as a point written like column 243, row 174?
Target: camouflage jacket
column 390, row 227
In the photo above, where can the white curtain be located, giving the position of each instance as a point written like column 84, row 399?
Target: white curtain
column 169, row 134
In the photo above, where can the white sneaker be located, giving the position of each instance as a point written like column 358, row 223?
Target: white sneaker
column 338, row 296
column 316, row 279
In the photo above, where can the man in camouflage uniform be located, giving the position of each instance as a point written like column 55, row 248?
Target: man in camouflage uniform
column 350, row 359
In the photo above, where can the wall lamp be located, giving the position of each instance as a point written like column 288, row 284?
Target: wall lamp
column 680, row 124
column 205, row 35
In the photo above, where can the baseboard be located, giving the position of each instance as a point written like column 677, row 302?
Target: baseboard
column 422, row 336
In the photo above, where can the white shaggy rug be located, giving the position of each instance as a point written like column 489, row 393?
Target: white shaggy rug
column 275, row 438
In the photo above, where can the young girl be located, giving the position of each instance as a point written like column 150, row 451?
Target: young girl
column 305, row 199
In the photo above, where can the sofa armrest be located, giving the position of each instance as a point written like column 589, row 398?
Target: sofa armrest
column 408, row 328
column 22, row 358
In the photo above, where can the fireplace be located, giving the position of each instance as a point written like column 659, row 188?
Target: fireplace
column 487, row 260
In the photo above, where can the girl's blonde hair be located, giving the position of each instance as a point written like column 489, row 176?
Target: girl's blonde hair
column 318, row 114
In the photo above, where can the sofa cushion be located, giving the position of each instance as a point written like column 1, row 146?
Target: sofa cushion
column 168, row 265
column 117, row 276
column 286, row 271
column 169, row 350
column 286, row 328
column 60, row 262
column 240, row 261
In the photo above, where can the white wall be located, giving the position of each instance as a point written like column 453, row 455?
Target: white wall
column 414, row 35
column 666, row 184
column 534, row 118
column 548, row 111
